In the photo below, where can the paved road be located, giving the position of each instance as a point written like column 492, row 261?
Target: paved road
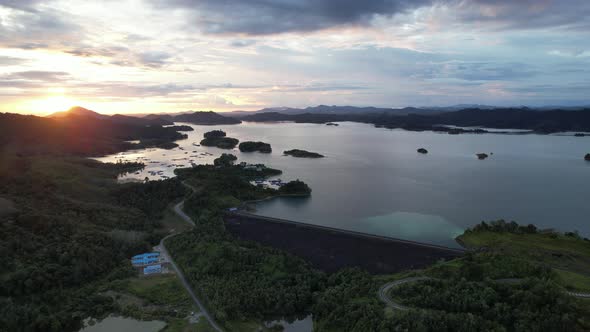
column 383, row 292
column 178, row 210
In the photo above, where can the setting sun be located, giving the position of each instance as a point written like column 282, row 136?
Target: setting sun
column 49, row 104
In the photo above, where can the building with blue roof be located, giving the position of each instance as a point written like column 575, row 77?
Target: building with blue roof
column 145, row 259
column 152, row 269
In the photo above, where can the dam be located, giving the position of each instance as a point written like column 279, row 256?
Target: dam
column 330, row 249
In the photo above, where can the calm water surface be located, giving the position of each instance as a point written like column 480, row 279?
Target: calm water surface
column 120, row 324
column 373, row 180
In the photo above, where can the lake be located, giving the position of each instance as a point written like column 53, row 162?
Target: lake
column 372, row 179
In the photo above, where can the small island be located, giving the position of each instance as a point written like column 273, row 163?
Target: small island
column 182, row 128
column 302, row 154
column 217, row 138
column 295, row 188
column 587, row 157
column 482, row 156
column 250, row 146
column 422, row 150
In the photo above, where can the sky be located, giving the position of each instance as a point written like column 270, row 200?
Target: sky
column 146, row 56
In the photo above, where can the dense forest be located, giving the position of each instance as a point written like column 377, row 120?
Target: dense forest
column 549, row 121
column 74, row 227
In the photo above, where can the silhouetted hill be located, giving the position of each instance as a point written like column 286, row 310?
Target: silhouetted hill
column 548, row 121
column 166, row 117
column 78, row 133
column 79, row 111
column 205, row 118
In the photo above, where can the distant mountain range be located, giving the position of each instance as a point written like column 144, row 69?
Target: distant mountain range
column 410, row 118
column 205, row 118
column 325, row 109
column 547, row 121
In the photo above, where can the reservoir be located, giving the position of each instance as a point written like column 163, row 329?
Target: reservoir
column 372, row 180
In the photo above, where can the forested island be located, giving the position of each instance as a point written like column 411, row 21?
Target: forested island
column 182, row 128
column 250, row 146
column 218, row 139
column 302, row 154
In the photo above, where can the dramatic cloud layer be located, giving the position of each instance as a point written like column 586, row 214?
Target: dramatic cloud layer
column 173, row 55
column 259, row 17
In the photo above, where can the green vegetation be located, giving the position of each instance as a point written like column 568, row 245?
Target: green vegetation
column 295, row 187
column 302, row 154
column 488, row 290
column 225, row 160
column 500, row 292
column 566, row 252
column 255, row 146
column 220, row 188
column 67, row 230
column 156, row 297
column 74, row 231
column 243, row 280
column 240, row 281
column 217, row 138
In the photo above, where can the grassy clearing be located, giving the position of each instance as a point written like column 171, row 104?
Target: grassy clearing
column 574, row 281
column 568, row 255
column 159, row 290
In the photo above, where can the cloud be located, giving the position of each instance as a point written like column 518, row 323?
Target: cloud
column 19, row 4
column 523, row 14
column 267, row 17
column 264, row 17
column 476, row 71
column 11, row 61
column 27, row 27
column 242, row 43
column 154, row 59
column 38, row 75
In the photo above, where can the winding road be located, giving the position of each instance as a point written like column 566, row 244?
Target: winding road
column 383, row 291
column 164, row 251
